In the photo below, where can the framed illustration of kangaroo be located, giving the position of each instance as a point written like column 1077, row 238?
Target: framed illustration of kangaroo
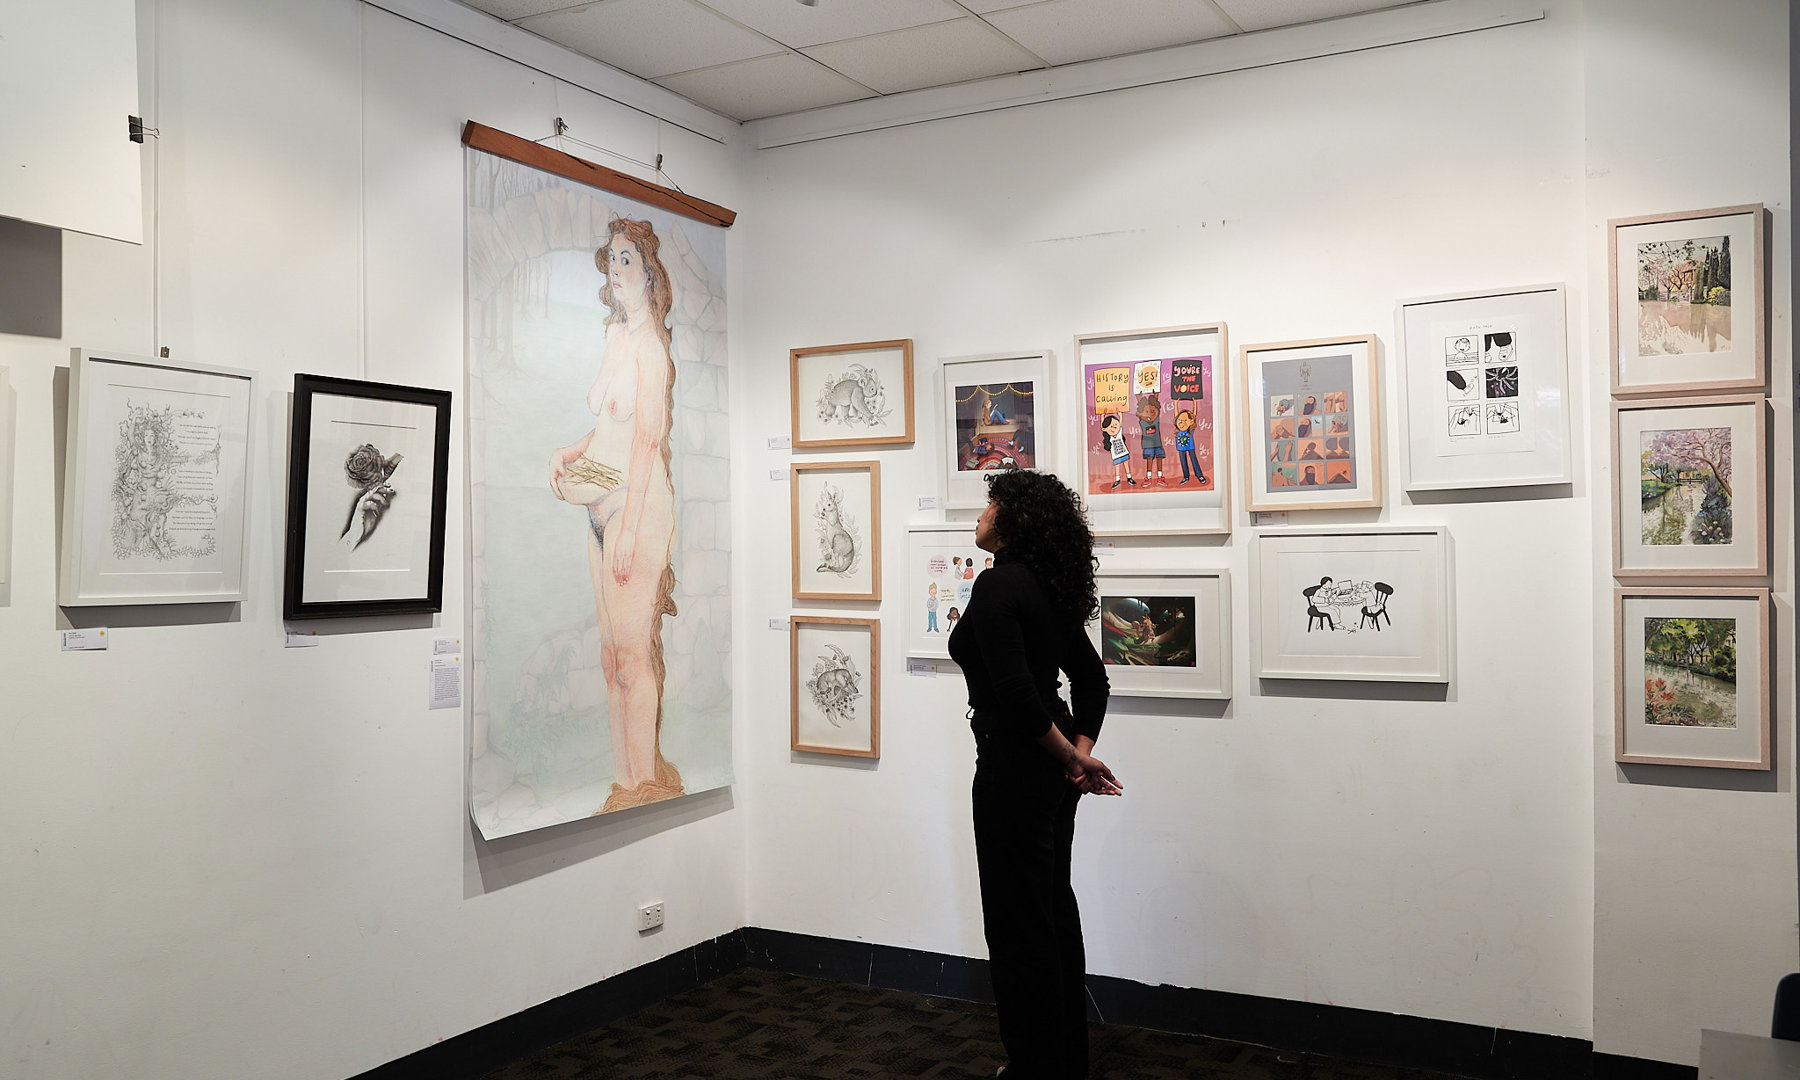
column 836, row 530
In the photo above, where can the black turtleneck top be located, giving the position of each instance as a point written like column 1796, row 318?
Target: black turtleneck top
column 1010, row 646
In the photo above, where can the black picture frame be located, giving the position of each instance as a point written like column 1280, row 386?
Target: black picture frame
column 299, row 473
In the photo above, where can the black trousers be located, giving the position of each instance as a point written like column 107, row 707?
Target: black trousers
column 1024, row 831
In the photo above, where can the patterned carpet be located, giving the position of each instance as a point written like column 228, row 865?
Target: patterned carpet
column 759, row 1025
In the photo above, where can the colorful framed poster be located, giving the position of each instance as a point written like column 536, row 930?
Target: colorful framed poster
column 1484, row 390
column 156, row 492
column 1165, row 633
column 836, row 530
column 994, row 417
column 368, row 477
column 834, row 686
column 1155, row 435
column 1693, row 677
column 851, row 395
column 1367, row 604
column 942, row 563
column 1688, row 301
column 1312, row 433
column 1690, row 487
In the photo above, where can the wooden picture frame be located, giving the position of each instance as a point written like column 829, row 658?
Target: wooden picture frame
column 1125, row 369
column 1686, row 540
column 1292, row 458
column 834, row 687
column 1164, row 633
column 839, row 557
column 1017, row 430
column 1676, row 715
column 1675, row 254
column 853, row 391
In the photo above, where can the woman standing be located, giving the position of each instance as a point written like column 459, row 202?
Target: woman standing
column 1033, row 760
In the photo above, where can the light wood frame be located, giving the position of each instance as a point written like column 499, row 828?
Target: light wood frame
column 905, row 346
column 1253, row 460
column 873, row 468
column 795, row 622
column 1760, row 485
column 1765, row 686
column 1222, row 448
column 1759, row 289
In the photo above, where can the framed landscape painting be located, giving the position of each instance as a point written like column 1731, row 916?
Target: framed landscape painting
column 1155, row 431
column 996, row 416
column 851, row 395
column 834, row 684
column 1312, row 432
column 942, row 563
column 836, row 530
column 1693, row 677
column 1688, row 301
column 1165, row 633
column 1690, row 487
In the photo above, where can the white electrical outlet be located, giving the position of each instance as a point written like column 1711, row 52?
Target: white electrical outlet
column 650, row 916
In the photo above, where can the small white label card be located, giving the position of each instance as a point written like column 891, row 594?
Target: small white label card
column 778, row 624
column 1268, row 517
column 446, row 682
column 93, row 639
column 929, row 502
column 778, row 474
column 781, row 442
column 446, row 645
column 927, row 669
column 301, row 639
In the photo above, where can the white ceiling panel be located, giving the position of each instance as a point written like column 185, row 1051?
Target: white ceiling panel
column 516, row 9
column 798, row 26
column 982, row 7
column 769, row 86
column 1067, row 31
column 934, row 55
column 651, row 38
column 1264, row 14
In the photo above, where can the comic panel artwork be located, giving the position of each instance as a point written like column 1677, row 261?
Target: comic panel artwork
column 1309, row 432
column 1481, row 383
column 1148, row 421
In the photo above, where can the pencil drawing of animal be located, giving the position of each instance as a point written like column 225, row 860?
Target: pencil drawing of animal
column 838, row 549
column 854, row 398
column 835, row 685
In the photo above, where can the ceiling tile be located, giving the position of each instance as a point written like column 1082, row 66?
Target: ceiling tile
column 651, row 38
column 516, row 9
column 1263, row 14
column 1067, row 31
column 982, row 7
column 798, row 26
column 934, row 55
column 769, row 86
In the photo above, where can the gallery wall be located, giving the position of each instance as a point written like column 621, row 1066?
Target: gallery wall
column 234, row 859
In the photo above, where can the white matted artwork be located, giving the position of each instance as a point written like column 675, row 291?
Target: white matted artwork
column 851, row 395
column 942, row 563
column 834, row 682
column 1353, row 603
column 157, row 486
column 1690, row 487
column 836, row 530
column 6, row 477
column 1693, row 677
column 997, row 414
column 1312, row 431
column 1165, row 633
column 1484, row 390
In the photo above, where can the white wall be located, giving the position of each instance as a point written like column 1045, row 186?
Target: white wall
column 233, row 860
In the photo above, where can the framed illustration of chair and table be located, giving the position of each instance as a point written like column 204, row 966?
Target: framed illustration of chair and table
column 1312, row 432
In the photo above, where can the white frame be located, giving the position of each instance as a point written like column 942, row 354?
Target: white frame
column 918, row 645
column 1548, row 461
column 1365, row 376
column 1750, row 497
column 77, row 587
column 1172, row 511
column 1211, row 677
column 1438, row 659
column 968, row 490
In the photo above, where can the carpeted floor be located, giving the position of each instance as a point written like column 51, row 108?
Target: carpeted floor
column 758, row 1025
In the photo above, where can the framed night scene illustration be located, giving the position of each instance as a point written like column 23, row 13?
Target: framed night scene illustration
column 996, row 415
column 835, row 530
column 156, row 492
column 368, row 473
column 1312, row 424
column 1155, row 431
column 856, row 395
column 1165, row 633
column 1692, row 677
column 1370, row 604
column 942, row 563
column 1688, row 302
column 1690, row 487
column 1484, row 390
column 834, row 685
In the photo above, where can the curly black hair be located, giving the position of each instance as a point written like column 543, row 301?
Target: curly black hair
column 1042, row 524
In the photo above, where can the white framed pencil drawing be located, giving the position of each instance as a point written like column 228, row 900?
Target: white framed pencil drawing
column 1165, row 633
column 997, row 414
column 1692, row 679
column 855, row 395
column 836, row 530
column 834, row 685
column 1690, row 487
column 156, row 491
column 1312, row 430
column 942, row 563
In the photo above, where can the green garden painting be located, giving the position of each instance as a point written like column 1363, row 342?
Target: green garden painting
column 1690, row 672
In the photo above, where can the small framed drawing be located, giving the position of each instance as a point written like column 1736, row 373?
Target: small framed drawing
column 995, row 413
column 1165, row 633
column 1688, row 301
column 942, row 563
column 834, row 684
column 1312, row 433
column 1693, row 677
column 836, row 530
column 156, row 492
column 851, row 395
column 1355, row 603
column 1690, row 487
column 368, row 471
column 1155, row 430
column 1484, row 390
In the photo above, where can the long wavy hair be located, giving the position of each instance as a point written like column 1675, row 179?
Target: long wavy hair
column 1042, row 525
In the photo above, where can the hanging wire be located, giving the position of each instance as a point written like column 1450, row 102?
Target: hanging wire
column 561, row 135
